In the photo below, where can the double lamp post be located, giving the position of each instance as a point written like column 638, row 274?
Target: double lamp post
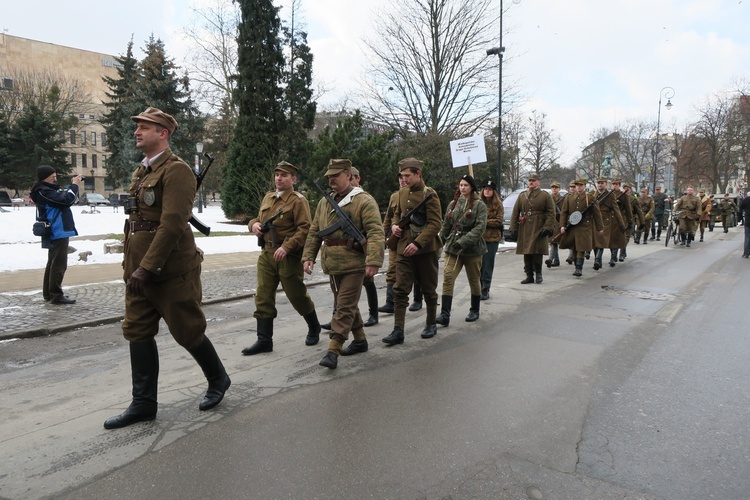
column 668, row 93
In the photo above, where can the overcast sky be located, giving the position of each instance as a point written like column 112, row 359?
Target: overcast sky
column 585, row 63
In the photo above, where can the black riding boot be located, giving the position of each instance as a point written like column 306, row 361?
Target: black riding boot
column 612, row 257
column 571, row 257
column 529, row 270
column 683, row 239
column 623, row 254
column 637, row 238
column 474, row 310
column 388, row 306
column 372, row 303
column 416, row 305
column 313, row 328
column 213, row 369
column 444, row 318
column 598, row 255
column 579, row 267
column 690, row 238
column 265, row 336
column 144, row 367
column 538, row 269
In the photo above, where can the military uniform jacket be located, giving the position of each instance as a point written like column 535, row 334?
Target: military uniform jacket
column 647, row 207
column 690, row 205
column 534, row 210
column 558, row 199
column 165, row 191
column 581, row 236
column 661, row 203
column 463, row 229
column 726, row 207
column 611, row 218
column 364, row 212
column 495, row 214
column 617, row 238
column 291, row 226
column 388, row 219
column 638, row 216
column 705, row 208
column 426, row 236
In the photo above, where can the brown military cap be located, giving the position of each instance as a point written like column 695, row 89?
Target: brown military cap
column 410, row 163
column 336, row 166
column 658, row 188
column 533, row 177
column 355, row 172
column 644, row 190
column 602, row 179
column 155, row 115
column 555, row 185
column 616, row 181
column 572, row 185
column 627, row 185
column 580, row 181
column 287, row 167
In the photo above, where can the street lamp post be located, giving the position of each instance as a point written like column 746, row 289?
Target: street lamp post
column 199, row 150
column 667, row 92
column 498, row 51
column 93, row 181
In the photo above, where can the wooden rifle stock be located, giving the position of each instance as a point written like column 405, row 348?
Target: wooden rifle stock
column 405, row 222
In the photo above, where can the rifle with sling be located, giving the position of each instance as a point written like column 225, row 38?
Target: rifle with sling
column 344, row 223
column 199, row 180
column 405, row 222
column 267, row 227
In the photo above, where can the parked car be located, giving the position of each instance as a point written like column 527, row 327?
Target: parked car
column 5, row 199
column 510, row 201
column 92, row 199
column 118, row 199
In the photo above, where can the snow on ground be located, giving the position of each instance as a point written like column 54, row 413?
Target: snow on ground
column 20, row 249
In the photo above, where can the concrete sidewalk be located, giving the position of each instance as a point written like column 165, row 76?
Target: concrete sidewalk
column 100, row 293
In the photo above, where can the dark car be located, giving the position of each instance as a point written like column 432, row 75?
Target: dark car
column 92, row 199
column 118, row 199
column 5, row 199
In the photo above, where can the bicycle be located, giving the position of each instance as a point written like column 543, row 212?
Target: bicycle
column 673, row 228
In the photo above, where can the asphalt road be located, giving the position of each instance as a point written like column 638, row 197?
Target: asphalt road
column 629, row 383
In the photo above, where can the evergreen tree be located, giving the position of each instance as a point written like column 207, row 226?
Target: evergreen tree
column 255, row 145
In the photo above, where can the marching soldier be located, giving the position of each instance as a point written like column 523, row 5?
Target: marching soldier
column 579, row 238
column 637, row 221
column 690, row 207
column 345, row 261
column 726, row 209
column 532, row 223
column 611, row 218
column 706, row 202
column 647, row 208
column 288, row 212
column 418, row 247
column 618, row 239
column 661, row 205
column 571, row 253
column 554, row 257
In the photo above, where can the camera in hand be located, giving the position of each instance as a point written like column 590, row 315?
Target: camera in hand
column 131, row 205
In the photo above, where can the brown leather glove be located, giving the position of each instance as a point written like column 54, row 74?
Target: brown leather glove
column 138, row 280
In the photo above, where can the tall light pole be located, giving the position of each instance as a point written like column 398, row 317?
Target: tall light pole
column 199, row 150
column 667, row 92
column 498, row 51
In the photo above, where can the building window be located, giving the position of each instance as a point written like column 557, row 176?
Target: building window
column 83, row 138
column 7, row 84
column 104, row 142
column 104, row 161
column 73, row 161
column 72, row 136
column 93, row 161
column 93, row 138
column 61, row 135
column 84, row 163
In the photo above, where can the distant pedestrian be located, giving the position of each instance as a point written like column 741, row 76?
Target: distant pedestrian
column 53, row 206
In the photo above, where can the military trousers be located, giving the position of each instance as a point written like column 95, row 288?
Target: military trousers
column 347, row 289
column 688, row 226
column 54, row 272
column 452, row 265
column 390, row 273
column 177, row 300
column 488, row 263
column 289, row 273
column 422, row 268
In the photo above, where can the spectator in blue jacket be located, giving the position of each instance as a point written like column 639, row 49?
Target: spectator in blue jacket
column 53, row 205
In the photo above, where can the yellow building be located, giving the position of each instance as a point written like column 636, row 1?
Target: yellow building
column 81, row 71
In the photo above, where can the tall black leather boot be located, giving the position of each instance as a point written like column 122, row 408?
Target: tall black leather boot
column 579, row 267
column 144, row 367
column 529, row 270
column 538, row 269
column 474, row 309
column 623, row 254
column 416, row 305
column 444, row 318
column 388, row 306
column 612, row 257
column 265, row 336
column 690, row 238
column 313, row 328
column 213, row 369
column 598, row 255
column 372, row 303
column 637, row 238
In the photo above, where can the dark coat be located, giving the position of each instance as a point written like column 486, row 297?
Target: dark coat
column 463, row 229
column 534, row 210
column 581, row 236
column 53, row 205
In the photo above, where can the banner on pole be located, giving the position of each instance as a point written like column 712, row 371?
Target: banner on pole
column 468, row 151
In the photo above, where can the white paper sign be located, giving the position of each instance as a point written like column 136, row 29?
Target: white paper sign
column 468, row 151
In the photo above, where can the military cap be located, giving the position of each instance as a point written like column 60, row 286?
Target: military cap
column 616, row 181
column 602, row 179
column 336, row 166
column 470, row 180
column 355, row 172
column 533, row 177
column 287, row 167
column 555, row 185
column 644, row 190
column 581, row 181
column 627, row 185
column 572, row 184
column 157, row 116
column 410, row 163
column 658, row 188
column 490, row 184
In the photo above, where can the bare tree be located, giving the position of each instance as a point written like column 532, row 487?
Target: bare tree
column 635, row 156
column 540, row 146
column 430, row 73
column 597, row 157
column 514, row 128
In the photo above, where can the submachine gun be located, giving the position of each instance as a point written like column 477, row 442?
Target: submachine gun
column 406, row 220
column 344, row 223
column 267, row 227
column 199, row 180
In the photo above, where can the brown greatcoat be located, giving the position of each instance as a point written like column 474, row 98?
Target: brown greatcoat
column 558, row 199
column 534, row 210
column 169, row 249
column 647, row 207
column 581, row 236
column 611, row 217
column 617, row 238
column 426, row 236
column 705, row 208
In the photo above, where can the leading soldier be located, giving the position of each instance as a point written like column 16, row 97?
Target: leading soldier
column 285, row 213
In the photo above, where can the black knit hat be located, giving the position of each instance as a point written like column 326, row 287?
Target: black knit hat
column 44, row 171
column 471, row 181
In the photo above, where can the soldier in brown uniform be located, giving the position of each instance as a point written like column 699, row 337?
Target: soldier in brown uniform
column 531, row 224
column 580, row 236
column 162, row 269
column 618, row 239
column 571, row 258
column 554, row 257
column 280, row 258
column 343, row 258
column 611, row 218
column 637, row 221
column 417, row 250
column 690, row 207
column 706, row 202
column 647, row 207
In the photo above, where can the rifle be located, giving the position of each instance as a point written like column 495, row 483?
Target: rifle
column 344, row 223
column 404, row 222
column 579, row 218
column 267, row 227
column 199, row 180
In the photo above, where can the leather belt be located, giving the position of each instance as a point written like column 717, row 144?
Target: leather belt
column 351, row 244
column 142, row 225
